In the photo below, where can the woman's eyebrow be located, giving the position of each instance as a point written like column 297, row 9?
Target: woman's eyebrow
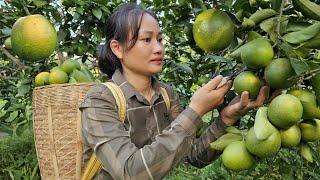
column 148, row 32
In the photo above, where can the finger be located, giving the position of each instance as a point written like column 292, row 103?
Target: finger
column 241, row 106
column 235, row 100
column 225, row 88
column 213, row 83
column 263, row 93
column 244, row 100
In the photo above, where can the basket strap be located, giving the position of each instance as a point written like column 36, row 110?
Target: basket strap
column 165, row 96
column 94, row 165
column 120, row 99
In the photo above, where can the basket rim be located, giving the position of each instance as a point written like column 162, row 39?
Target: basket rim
column 63, row 85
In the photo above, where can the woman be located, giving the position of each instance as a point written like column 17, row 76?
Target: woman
column 151, row 141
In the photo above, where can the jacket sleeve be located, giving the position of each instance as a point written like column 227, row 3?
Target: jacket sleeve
column 111, row 142
column 200, row 154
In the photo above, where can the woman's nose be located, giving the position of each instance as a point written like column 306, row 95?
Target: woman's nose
column 158, row 49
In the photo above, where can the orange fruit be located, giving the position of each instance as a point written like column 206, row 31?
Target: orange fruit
column 285, row 110
column 69, row 65
column 236, row 157
column 58, row 77
column 263, row 148
column 278, row 72
column 33, row 37
column 7, row 43
column 42, row 79
column 290, row 137
column 247, row 81
column 257, row 53
column 310, row 130
column 213, row 30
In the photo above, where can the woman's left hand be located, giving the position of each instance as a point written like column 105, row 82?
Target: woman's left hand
column 240, row 105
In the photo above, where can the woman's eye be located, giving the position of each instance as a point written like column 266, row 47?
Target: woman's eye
column 146, row 39
column 160, row 39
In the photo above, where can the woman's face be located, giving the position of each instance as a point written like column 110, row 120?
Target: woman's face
column 146, row 56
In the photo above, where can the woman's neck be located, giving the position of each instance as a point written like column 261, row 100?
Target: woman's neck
column 141, row 83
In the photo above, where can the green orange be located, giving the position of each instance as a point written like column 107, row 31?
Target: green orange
column 278, row 72
column 236, row 157
column 257, row 53
column 310, row 130
column 7, row 43
column 263, row 148
column 213, row 30
column 290, row 137
column 285, row 110
column 69, row 65
column 247, row 81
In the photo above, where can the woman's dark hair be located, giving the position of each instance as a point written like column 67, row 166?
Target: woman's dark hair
column 124, row 21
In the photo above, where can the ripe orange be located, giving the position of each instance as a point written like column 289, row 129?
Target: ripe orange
column 33, row 37
column 42, row 79
column 58, row 77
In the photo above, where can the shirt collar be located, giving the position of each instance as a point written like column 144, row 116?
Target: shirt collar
column 128, row 89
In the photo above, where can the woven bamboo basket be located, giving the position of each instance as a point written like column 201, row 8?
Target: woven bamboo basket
column 57, row 129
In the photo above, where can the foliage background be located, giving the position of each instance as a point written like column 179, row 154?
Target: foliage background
column 80, row 27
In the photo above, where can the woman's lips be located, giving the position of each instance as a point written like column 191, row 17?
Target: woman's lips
column 156, row 61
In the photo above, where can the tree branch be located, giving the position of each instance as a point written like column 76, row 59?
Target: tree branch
column 279, row 19
column 60, row 57
column 14, row 59
column 279, row 23
column 25, row 8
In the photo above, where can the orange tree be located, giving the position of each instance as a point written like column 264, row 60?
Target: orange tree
column 80, row 28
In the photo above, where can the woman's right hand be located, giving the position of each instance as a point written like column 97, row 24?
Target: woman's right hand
column 209, row 96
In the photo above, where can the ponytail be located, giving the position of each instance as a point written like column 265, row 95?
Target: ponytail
column 107, row 61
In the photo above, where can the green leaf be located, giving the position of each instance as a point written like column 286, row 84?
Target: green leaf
column 297, row 26
column 39, row 3
column 97, row 13
column 24, row 89
column 6, row 31
column 105, row 9
column 184, row 67
column 2, row 103
column 79, row 10
column 305, row 152
column 299, row 66
column 12, row 116
column 270, row 26
column 303, row 35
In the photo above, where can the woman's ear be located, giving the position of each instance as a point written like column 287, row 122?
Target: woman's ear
column 116, row 48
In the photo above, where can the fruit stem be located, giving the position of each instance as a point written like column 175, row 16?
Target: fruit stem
column 14, row 59
column 25, row 8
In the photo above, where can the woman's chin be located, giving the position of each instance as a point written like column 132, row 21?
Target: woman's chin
column 156, row 69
